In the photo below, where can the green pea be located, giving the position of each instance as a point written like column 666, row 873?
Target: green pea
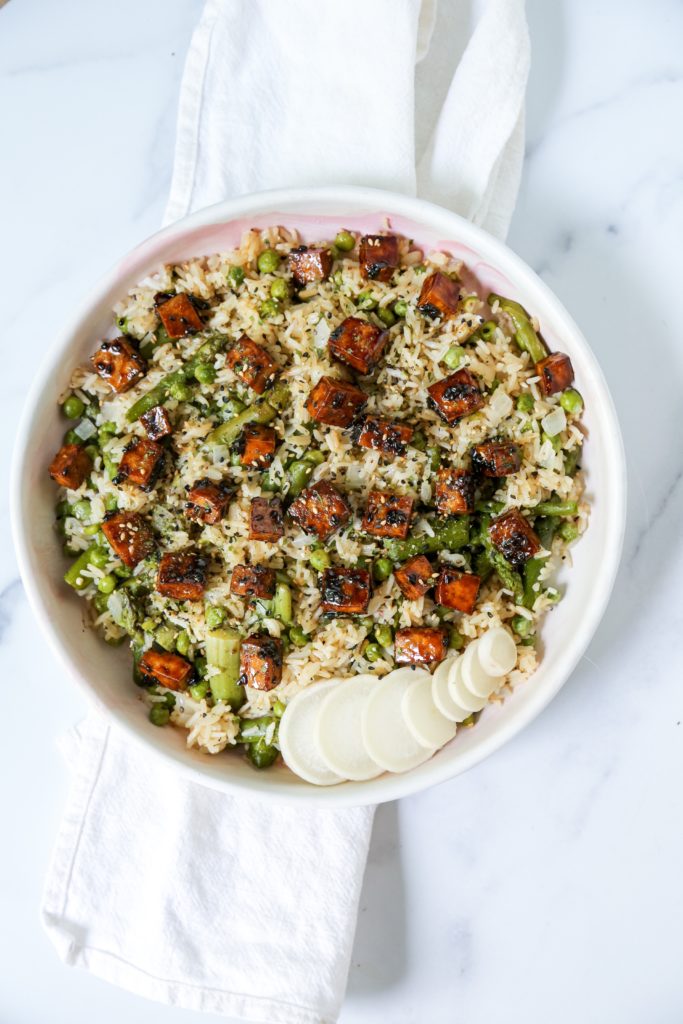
column 468, row 722
column 205, row 373
column 100, row 602
column 384, row 635
column 571, row 401
column 279, row 708
column 269, row 308
column 261, row 754
column 345, row 241
column 159, row 714
column 569, row 531
column 170, row 700
column 386, row 316
column 111, row 502
column 123, row 572
column 298, row 637
column 279, row 289
column 299, row 474
column 434, row 458
column 521, row 625
column 122, row 324
column 165, row 636
column 382, row 569
column 368, row 623
column 487, row 330
column 73, row 408
column 419, row 441
column 456, row 640
column 400, row 308
column 107, row 584
column 81, row 509
column 180, row 391
column 200, row 667
column 91, row 530
column 268, row 261
column 214, row 616
column 92, row 450
column 99, row 559
column 454, row 356
column 198, row 691
column 319, row 559
column 366, row 300
column 373, row 652
column 314, row 456
column 182, row 643
column 470, row 303
column 148, row 625
column 525, row 401
column 236, row 275
column 71, row 437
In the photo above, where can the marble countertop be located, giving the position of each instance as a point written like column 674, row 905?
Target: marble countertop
column 546, row 884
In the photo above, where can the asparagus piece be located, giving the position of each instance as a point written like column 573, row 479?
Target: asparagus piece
column 525, row 335
column 449, row 535
column 223, row 653
column 262, row 411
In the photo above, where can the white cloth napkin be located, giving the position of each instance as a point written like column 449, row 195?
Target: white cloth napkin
column 157, row 884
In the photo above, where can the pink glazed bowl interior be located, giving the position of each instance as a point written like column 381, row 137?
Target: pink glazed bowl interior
column 104, row 673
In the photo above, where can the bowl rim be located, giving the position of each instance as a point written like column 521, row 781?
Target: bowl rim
column 503, row 259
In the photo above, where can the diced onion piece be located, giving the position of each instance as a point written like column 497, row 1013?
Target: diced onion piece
column 497, row 652
column 441, row 693
column 387, row 738
column 85, row 429
column 322, row 333
column 297, row 736
column 338, row 730
column 429, row 727
column 474, row 675
column 459, row 692
column 500, row 404
column 554, row 422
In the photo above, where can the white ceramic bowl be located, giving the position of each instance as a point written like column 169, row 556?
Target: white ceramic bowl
column 104, row 673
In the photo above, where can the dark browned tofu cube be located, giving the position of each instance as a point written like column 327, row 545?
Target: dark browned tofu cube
column 439, row 296
column 178, row 314
column 320, row 509
column 157, row 423
column 454, row 492
column 253, row 581
column 459, row 590
column 378, row 256
column 415, row 577
column 70, row 466
column 387, row 515
column 335, row 402
column 307, row 265
column 345, row 591
column 261, row 661
column 141, row 463
column 266, row 520
column 119, row 363
column 514, row 537
column 496, row 458
column 256, row 445
column 169, row 670
column 129, row 536
column 420, row 645
column 385, row 436
column 358, row 343
column 251, row 364
column 207, row 501
column 181, row 576
column 456, row 396
column 556, row 373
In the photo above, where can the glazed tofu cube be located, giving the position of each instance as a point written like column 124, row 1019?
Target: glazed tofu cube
column 556, row 373
column 496, row 458
column 266, row 520
column 256, row 445
column 251, row 364
column 70, row 466
column 439, row 297
column 181, row 576
column 157, row 423
column 456, row 396
column 169, row 670
column 335, row 402
column 454, row 492
column 119, row 363
column 378, row 256
column 141, row 463
column 178, row 314
column 358, row 343
column 308, row 264
column 415, row 577
column 129, row 535
column 385, row 436
column 261, row 661
column 253, row 581
column 207, row 501
column 514, row 537
column 387, row 515
column 345, row 591
column 420, row 645
column 457, row 590
column 320, row 509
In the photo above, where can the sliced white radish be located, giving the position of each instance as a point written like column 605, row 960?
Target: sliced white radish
column 387, row 738
column 297, row 736
column 338, row 730
column 497, row 652
column 459, row 692
column 429, row 727
column 475, row 678
column 441, row 695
